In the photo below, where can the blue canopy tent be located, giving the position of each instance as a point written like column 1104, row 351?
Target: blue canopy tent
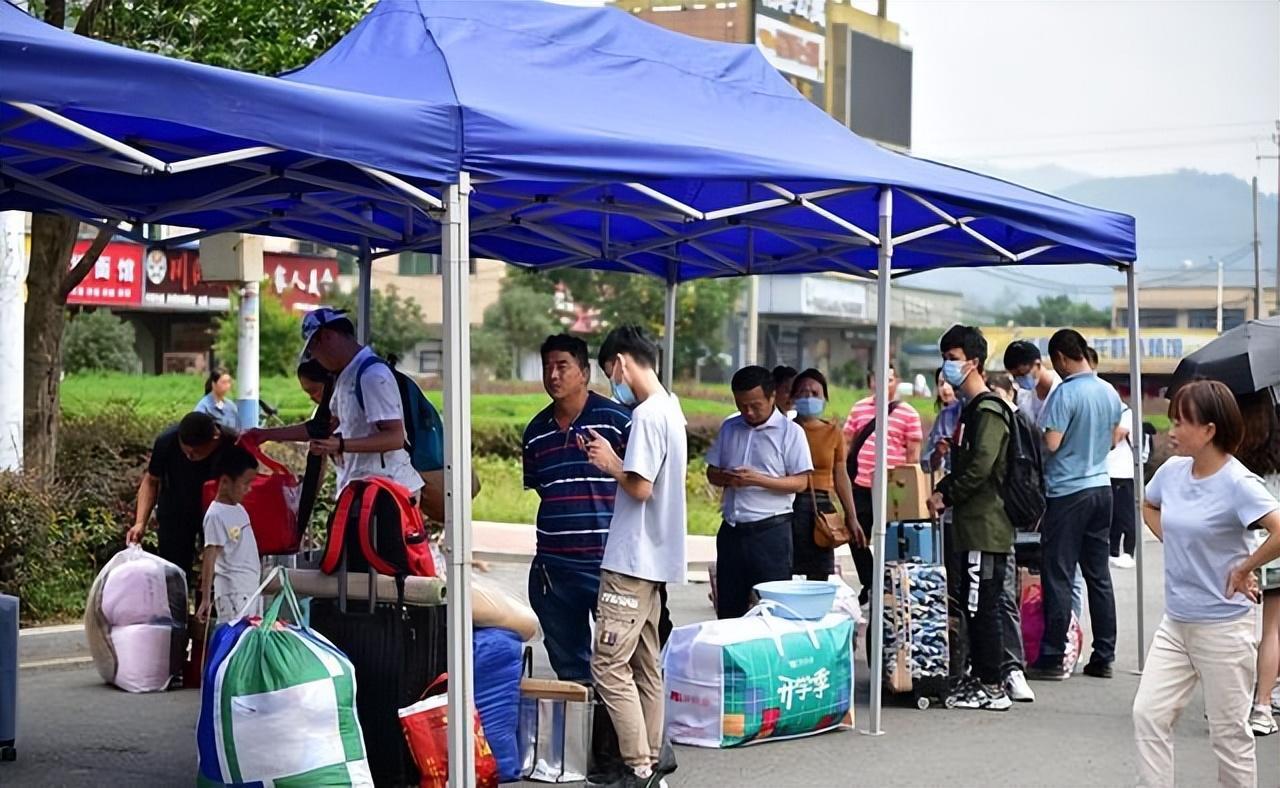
column 544, row 135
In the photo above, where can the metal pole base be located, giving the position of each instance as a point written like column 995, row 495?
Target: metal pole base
column 871, row 733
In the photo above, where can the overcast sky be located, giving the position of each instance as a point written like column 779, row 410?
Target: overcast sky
column 1110, row 88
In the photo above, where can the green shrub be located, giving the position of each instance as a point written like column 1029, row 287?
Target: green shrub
column 279, row 336
column 27, row 510
column 99, row 342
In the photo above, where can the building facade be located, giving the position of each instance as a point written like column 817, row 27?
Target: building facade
column 1190, row 307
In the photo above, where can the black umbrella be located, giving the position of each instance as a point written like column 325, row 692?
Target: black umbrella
column 1246, row 358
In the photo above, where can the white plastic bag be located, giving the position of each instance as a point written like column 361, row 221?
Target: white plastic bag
column 136, row 621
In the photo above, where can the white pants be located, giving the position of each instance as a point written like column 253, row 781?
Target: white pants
column 1223, row 656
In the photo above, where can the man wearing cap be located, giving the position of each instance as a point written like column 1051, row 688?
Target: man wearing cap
column 365, row 441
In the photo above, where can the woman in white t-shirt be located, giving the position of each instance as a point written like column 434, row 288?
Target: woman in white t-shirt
column 1200, row 504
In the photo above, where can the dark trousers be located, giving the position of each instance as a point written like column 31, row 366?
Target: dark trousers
column 1077, row 532
column 976, row 583
column 863, row 560
column 176, row 544
column 564, row 599
column 750, row 553
column 1123, row 530
column 1011, row 616
column 815, row 563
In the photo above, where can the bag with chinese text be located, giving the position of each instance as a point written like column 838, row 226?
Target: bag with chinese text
column 757, row 678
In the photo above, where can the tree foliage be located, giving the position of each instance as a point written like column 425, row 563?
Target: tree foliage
column 279, row 336
column 398, row 323
column 523, row 316
column 702, row 306
column 1059, row 310
column 98, row 341
column 260, row 36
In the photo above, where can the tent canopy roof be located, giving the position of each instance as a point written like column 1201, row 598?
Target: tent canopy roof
column 594, row 139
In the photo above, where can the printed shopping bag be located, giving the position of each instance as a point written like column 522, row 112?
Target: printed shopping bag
column 278, row 704
column 426, row 730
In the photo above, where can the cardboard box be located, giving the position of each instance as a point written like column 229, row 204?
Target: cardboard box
column 909, row 491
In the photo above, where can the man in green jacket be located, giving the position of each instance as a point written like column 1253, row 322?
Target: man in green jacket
column 981, row 534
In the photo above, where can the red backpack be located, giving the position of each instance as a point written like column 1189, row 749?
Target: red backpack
column 381, row 529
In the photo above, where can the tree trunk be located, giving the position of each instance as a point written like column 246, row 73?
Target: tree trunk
column 52, row 240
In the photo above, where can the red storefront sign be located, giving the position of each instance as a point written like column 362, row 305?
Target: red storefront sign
column 300, row 281
column 115, row 278
column 127, row 274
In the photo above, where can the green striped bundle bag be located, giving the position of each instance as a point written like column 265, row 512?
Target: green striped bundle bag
column 278, row 705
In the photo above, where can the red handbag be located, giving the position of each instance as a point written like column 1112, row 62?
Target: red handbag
column 272, row 504
column 426, row 731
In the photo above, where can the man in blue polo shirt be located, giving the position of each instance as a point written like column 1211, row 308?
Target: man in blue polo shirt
column 576, row 503
column 1079, row 422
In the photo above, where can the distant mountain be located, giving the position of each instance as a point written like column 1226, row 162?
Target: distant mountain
column 1181, row 216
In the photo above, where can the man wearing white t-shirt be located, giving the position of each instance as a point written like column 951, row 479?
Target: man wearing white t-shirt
column 369, row 439
column 1035, row 381
column 645, row 549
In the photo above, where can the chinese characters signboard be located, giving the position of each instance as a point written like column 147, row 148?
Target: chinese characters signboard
column 114, row 280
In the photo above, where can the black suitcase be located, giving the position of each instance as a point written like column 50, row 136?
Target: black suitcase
column 396, row 652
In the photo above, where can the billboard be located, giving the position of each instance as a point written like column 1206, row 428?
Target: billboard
column 1161, row 348
column 114, row 280
column 792, row 36
column 872, row 92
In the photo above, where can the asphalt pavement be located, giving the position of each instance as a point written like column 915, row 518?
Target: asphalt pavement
column 75, row 731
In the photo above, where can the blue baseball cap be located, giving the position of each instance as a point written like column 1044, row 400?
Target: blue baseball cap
column 317, row 319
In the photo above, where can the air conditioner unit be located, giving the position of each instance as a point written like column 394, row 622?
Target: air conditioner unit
column 231, row 257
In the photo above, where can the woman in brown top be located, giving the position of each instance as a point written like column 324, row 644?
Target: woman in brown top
column 830, row 477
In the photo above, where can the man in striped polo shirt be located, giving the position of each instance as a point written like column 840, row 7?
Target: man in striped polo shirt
column 905, row 437
column 576, row 503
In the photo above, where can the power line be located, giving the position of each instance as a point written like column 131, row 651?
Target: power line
column 1119, row 132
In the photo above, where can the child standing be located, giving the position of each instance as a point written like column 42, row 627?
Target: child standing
column 231, row 568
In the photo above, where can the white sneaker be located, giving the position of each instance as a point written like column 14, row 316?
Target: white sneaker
column 1015, row 684
column 1261, row 721
column 1123, row 561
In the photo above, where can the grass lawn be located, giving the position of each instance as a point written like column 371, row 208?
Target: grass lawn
column 503, row 499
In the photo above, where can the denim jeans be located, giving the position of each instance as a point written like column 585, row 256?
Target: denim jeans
column 1077, row 531
column 564, row 599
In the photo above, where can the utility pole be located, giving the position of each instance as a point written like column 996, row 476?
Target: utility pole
column 1219, row 294
column 1276, row 139
column 1258, row 313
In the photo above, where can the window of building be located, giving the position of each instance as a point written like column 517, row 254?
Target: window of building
column 430, row 362
column 1208, row 318
column 419, row 264
column 1158, row 318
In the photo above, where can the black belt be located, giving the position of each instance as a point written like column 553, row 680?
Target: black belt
column 761, row 523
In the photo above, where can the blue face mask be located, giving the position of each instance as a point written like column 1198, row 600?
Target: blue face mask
column 623, row 393
column 809, row 406
column 953, row 372
column 1027, row 382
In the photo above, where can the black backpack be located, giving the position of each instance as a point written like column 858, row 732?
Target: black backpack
column 1023, row 491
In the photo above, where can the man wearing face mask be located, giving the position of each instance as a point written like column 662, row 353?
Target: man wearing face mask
column 981, row 534
column 645, row 550
column 761, row 460
column 1035, row 381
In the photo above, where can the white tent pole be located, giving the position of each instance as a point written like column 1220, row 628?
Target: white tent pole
column 457, row 476
column 13, row 275
column 669, row 335
column 1135, row 437
column 879, row 492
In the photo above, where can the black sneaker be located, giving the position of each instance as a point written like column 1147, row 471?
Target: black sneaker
column 1098, row 669
column 666, row 761
column 1048, row 673
column 976, row 695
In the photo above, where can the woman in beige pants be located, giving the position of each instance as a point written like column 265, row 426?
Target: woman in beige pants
column 1200, row 504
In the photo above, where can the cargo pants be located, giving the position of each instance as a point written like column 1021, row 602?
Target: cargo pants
column 625, row 664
